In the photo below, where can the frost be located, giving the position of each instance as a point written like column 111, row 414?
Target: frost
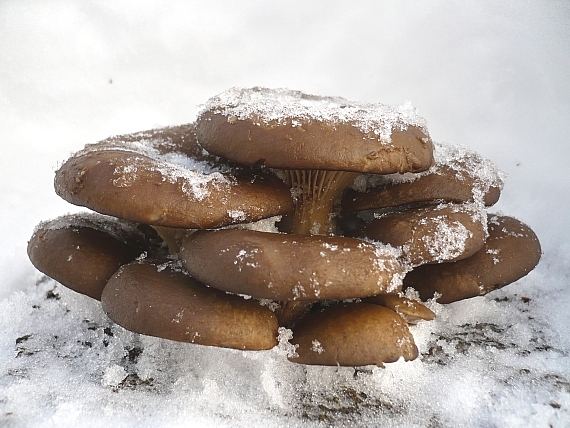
column 113, row 375
column 317, row 347
column 448, row 241
column 122, row 230
column 263, row 225
column 247, row 258
column 237, row 215
column 266, row 107
column 285, row 347
column 465, row 163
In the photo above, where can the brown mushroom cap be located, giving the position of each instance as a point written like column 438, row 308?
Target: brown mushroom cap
column 433, row 234
column 82, row 251
column 292, row 130
column 459, row 175
column 355, row 334
column 410, row 310
column 290, row 267
column 139, row 188
column 171, row 140
column 511, row 251
column 157, row 298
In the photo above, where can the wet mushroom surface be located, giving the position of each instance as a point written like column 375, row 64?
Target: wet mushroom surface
column 279, row 210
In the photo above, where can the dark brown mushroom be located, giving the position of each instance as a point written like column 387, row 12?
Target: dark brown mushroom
column 355, row 334
column 410, row 310
column 433, row 234
column 511, row 251
column 158, row 298
column 82, row 251
column 138, row 188
column 320, row 143
column 459, row 175
column 290, row 267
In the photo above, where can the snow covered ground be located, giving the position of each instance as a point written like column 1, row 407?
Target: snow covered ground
column 494, row 76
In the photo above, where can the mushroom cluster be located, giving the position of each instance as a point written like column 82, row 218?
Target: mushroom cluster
column 277, row 209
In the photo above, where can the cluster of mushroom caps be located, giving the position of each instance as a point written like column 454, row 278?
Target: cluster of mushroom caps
column 282, row 209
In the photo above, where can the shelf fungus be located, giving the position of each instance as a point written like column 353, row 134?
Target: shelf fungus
column 157, row 298
column 283, row 209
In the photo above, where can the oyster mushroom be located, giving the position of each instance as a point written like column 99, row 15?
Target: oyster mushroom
column 410, row 310
column 320, row 144
column 290, row 267
column 510, row 252
column 82, row 251
column 432, row 234
column 136, row 180
column 354, row 334
column 158, row 298
column 458, row 175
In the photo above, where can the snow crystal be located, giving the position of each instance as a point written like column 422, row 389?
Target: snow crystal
column 195, row 184
column 237, row 215
column 263, row 225
column 317, row 347
column 113, row 375
column 448, row 241
column 283, row 106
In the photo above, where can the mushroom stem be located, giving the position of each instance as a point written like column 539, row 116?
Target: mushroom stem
column 314, row 193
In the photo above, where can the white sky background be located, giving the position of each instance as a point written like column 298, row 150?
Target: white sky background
column 494, row 76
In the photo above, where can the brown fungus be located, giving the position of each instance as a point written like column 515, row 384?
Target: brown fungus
column 410, row 310
column 458, row 175
column 510, row 252
column 82, row 251
column 163, row 178
column 158, row 298
column 433, row 234
column 290, row 267
column 355, row 334
column 316, row 146
column 320, row 144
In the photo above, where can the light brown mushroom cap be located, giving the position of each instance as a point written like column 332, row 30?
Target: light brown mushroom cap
column 511, row 251
column 157, row 298
column 285, row 129
column 290, row 267
column 410, row 310
column 433, row 234
column 459, row 175
column 82, row 251
column 137, row 187
column 355, row 334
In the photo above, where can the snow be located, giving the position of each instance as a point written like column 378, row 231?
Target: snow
column 490, row 76
column 266, row 106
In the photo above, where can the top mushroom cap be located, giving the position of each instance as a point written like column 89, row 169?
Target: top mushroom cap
column 292, row 130
column 138, row 179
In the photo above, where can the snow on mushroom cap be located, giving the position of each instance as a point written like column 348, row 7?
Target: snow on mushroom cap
column 195, row 182
column 286, row 107
column 466, row 164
